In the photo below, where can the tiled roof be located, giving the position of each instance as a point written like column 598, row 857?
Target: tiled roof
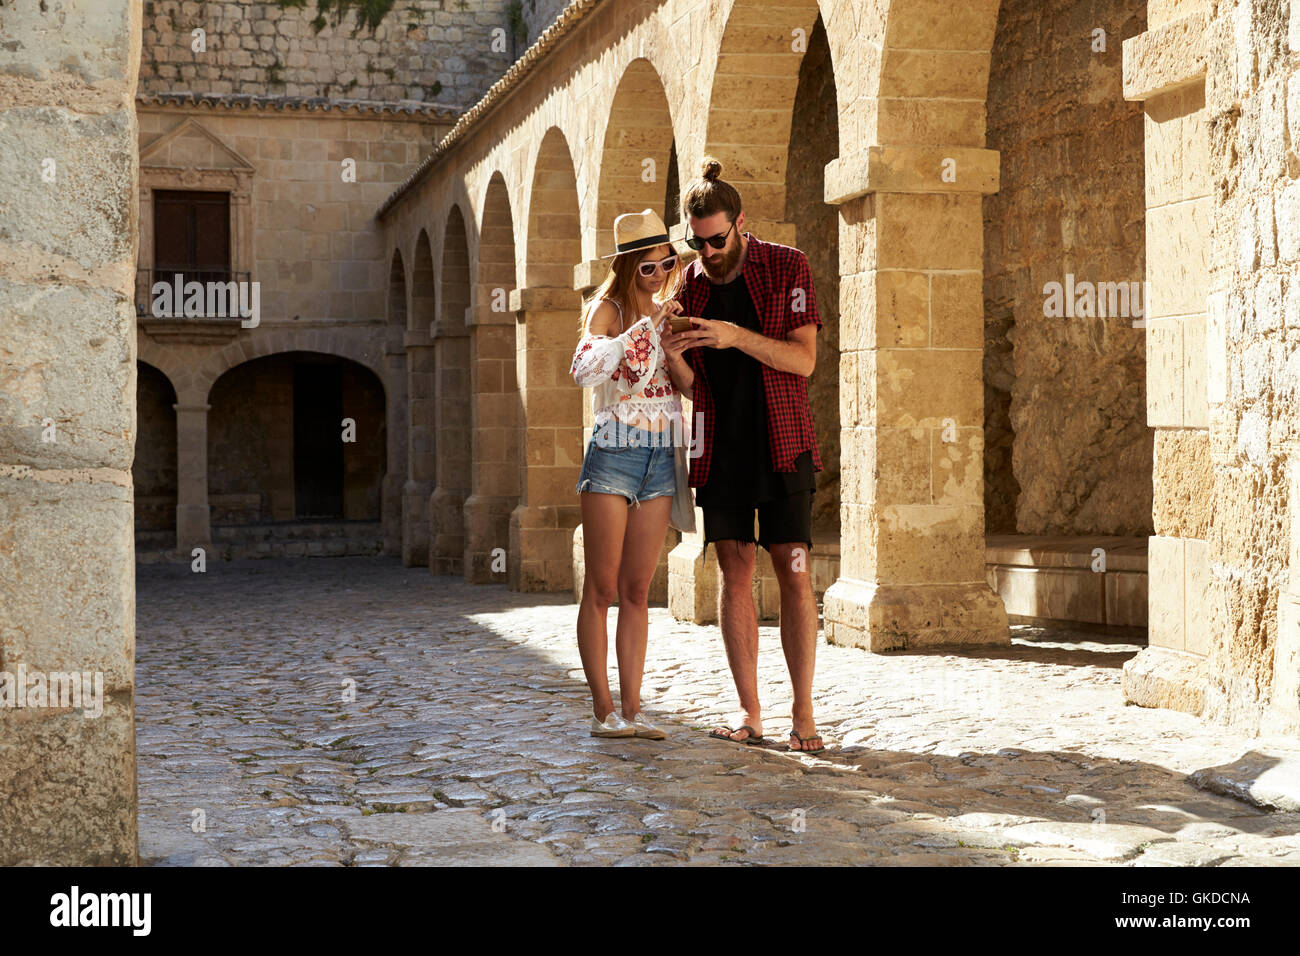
column 551, row 37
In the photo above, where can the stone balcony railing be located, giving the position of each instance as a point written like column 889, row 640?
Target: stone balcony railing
column 166, row 318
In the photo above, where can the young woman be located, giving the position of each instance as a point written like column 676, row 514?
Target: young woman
column 628, row 476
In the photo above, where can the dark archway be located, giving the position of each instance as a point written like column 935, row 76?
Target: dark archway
column 153, row 472
column 814, row 142
column 296, row 452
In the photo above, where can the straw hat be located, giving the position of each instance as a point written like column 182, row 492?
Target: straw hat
column 638, row 230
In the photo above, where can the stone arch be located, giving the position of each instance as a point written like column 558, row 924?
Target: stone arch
column 553, row 243
column 759, row 58
column 424, row 288
column 395, row 317
column 421, row 369
column 639, row 129
column 496, row 261
column 154, row 467
column 452, row 401
column 276, row 451
column 338, row 343
column 454, row 291
column 814, row 142
column 164, row 359
column 496, row 411
column 395, row 347
column 780, row 55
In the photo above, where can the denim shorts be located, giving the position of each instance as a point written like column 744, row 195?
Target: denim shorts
column 629, row 461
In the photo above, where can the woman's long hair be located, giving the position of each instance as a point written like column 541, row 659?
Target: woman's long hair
column 620, row 280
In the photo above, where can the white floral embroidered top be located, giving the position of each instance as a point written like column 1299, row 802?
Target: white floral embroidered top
column 628, row 373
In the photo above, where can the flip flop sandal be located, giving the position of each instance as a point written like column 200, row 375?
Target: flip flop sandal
column 753, row 737
column 802, row 740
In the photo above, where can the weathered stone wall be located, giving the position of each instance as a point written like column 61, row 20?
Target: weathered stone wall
column 1252, row 101
column 424, row 50
column 1218, row 83
column 68, row 180
column 316, row 250
column 1067, row 447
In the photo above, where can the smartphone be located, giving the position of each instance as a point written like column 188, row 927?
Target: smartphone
column 680, row 323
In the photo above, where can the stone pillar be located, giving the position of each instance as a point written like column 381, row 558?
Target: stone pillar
column 912, row 400
column 67, row 433
column 452, row 421
column 193, row 516
column 541, row 527
column 1164, row 68
column 421, row 473
column 398, row 438
column 495, row 442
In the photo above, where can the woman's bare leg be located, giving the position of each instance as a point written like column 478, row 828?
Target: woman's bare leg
column 642, row 545
column 604, row 518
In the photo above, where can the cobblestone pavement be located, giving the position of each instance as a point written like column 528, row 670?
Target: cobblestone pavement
column 467, row 741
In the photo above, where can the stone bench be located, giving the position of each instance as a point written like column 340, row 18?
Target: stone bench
column 1063, row 577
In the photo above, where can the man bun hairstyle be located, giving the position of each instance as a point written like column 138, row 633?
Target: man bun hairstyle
column 711, row 194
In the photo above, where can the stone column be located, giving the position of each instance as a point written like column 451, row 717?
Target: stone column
column 495, row 441
column 193, row 516
column 67, row 432
column 912, row 400
column 541, row 527
column 452, row 421
column 420, row 474
column 398, row 438
column 1164, row 68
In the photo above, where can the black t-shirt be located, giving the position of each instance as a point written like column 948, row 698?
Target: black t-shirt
column 740, row 469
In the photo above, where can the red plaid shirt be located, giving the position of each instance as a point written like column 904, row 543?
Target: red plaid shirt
column 774, row 275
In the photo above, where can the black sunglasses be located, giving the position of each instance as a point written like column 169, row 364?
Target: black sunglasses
column 717, row 242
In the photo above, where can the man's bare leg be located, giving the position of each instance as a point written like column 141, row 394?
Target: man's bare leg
column 798, row 636
column 739, row 621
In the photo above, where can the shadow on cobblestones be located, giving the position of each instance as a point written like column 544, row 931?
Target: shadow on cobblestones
column 466, row 741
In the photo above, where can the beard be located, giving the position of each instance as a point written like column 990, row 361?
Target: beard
column 718, row 268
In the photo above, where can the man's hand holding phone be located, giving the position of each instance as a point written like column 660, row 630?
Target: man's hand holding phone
column 678, row 336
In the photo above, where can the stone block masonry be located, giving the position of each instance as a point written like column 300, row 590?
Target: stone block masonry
column 67, row 423
column 424, row 50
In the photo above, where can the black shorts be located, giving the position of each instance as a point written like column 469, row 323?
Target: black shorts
column 784, row 521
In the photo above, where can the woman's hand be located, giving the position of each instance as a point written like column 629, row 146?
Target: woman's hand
column 671, row 307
